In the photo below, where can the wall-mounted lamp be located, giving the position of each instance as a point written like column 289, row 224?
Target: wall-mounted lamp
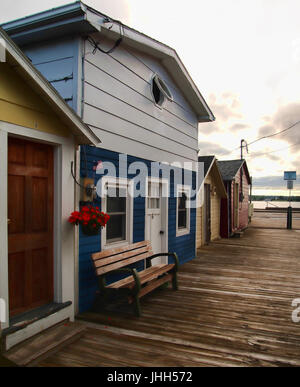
column 88, row 187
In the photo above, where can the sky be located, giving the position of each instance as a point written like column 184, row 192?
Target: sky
column 244, row 57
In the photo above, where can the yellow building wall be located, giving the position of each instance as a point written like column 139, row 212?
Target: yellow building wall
column 215, row 205
column 21, row 105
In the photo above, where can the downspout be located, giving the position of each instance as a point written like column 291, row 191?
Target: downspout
column 77, row 191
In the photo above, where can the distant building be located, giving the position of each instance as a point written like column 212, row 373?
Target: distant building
column 210, row 196
column 235, row 209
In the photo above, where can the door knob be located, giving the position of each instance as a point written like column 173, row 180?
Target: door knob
column 161, row 232
column 8, row 221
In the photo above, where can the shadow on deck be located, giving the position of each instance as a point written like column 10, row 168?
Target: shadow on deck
column 233, row 308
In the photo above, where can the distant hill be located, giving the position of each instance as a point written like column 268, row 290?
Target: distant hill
column 258, row 198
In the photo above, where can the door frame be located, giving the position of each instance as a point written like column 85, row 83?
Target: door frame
column 164, row 211
column 207, row 190
column 236, row 205
column 63, row 237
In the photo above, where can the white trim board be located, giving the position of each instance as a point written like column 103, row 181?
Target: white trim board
column 186, row 189
column 37, row 327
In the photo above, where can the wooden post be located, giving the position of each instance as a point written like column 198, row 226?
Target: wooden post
column 289, row 218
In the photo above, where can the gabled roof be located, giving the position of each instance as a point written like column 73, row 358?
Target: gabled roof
column 229, row 169
column 211, row 166
column 207, row 160
column 78, row 18
column 15, row 57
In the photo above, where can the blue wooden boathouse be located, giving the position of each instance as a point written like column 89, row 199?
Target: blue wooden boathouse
column 139, row 99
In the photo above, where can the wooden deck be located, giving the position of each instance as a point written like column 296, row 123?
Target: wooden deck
column 233, row 309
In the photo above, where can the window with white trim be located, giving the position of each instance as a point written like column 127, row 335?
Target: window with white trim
column 183, row 210
column 154, row 194
column 117, row 204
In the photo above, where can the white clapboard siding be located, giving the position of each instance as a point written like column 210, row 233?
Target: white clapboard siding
column 145, row 68
column 118, row 104
column 98, row 83
column 95, row 76
column 145, row 127
column 155, row 66
column 131, row 71
column 123, row 144
column 110, row 123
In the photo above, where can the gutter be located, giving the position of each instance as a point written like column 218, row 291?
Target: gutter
column 44, row 17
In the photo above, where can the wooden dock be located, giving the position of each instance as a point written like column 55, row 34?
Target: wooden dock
column 275, row 219
column 234, row 308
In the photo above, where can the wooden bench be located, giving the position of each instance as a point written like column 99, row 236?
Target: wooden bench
column 138, row 283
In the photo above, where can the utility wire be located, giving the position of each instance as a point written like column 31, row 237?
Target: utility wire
column 261, row 138
column 274, row 151
column 275, row 134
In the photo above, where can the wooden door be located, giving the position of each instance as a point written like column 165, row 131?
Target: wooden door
column 207, row 215
column 30, row 229
column 154, row 231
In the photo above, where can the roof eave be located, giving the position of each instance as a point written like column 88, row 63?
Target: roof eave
column 170, row 59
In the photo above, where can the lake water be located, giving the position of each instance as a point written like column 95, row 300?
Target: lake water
column 275, row 204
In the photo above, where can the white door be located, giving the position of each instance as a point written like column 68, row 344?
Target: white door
column 155, row 224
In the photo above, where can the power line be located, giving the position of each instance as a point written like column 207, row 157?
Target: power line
column 263, row 137
column 274, row 151
column 275, row 134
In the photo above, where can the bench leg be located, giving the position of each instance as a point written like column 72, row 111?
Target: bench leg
column 137, row 306
column 175, row 281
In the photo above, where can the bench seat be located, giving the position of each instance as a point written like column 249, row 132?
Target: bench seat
column 145, row 276
column 137, row 283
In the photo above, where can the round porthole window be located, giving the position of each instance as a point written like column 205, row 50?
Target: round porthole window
column 160, row 91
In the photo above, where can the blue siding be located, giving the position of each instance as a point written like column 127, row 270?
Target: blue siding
column 184, row 246
column 58, row 62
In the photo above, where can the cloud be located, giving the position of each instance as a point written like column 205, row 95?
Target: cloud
column 272, row 182
column 273, row 157
column 209, row 148
column 266, row 130
column 210, row 128
column 284, row 117
column 237, row 127
column 225, row 107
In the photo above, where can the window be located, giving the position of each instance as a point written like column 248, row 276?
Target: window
column 154, row 194
column 117, row 203
column 116, row 209
column 160, row 91
column 183, row 210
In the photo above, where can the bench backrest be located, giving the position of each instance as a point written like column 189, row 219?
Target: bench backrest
column 108, row 260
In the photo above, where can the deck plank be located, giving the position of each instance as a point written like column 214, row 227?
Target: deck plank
column 233, row 308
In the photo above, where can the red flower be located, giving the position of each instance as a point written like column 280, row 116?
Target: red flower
column 89, row 216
